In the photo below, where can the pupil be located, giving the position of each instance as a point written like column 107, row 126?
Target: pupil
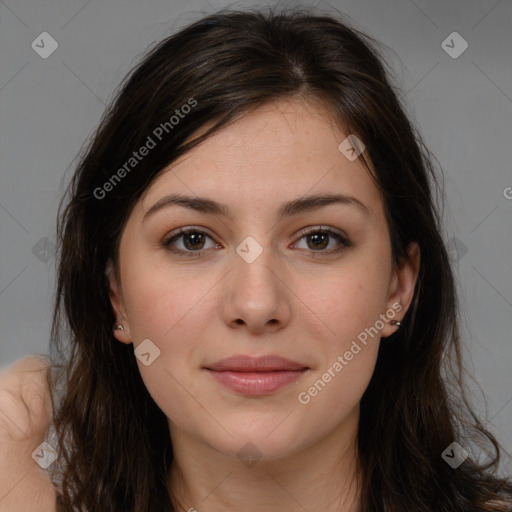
column 192, row 236
column 316, row 238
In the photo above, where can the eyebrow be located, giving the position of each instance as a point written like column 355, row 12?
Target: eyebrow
column 294, row 207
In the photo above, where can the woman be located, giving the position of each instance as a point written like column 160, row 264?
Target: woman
column 261, row 308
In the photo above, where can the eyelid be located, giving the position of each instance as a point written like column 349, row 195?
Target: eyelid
column 316, row 227
column 177, row 233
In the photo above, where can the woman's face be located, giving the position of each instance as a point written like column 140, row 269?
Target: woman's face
column 257, row 278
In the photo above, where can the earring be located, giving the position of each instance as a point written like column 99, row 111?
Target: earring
column 119, row 327
column 395, row 322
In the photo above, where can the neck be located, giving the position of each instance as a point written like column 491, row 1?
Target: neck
column 321, row 477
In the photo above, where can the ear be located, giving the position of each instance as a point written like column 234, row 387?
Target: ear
column 123, row 335
column 401, row 288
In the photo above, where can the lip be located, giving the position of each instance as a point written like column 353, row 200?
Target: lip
column 256, row 375
column 245, row 363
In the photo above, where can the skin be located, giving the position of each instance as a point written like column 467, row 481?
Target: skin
column 198, row 310
column 26, row 410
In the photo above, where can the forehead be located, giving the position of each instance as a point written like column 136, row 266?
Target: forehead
column 282, row 150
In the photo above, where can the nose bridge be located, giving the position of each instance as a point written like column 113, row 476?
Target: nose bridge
column 253, row 266
column 256, row 293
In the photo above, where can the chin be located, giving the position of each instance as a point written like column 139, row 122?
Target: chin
column 266, row 439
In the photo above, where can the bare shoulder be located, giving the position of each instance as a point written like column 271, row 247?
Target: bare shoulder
column 25, row 397
column 25, row 413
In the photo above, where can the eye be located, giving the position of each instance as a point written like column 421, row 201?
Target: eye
column 193, row 241
column 317, row 239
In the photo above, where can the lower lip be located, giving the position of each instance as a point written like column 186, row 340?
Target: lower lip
column 256, row 383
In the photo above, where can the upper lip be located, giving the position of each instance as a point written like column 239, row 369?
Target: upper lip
column 245, row 363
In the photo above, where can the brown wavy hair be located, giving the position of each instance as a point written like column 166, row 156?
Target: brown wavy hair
column 114, row 442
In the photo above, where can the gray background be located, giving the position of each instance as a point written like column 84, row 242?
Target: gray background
column 463, row 105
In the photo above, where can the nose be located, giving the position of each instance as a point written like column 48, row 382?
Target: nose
column 257, row 297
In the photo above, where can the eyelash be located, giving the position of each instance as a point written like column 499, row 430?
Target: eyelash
column 166, row 243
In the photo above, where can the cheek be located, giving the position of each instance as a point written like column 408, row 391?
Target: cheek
column 158, row 298
column 175, row 319
column 350, row 306
column 174, row 310
column 348, row 299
